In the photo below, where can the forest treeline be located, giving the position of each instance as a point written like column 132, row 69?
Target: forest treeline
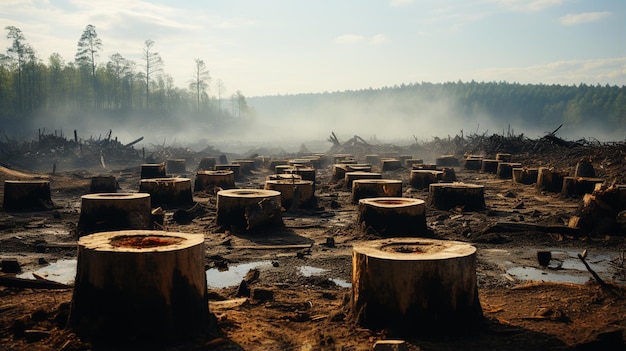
column 38, row 94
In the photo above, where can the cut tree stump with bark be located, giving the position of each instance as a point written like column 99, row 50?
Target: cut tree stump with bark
column 114, row 211
column 415, row 286
column 141, row 288
column 368, row 188
column 295, row 193
column 352, row 176
column 505, row 170
column 447, row 196
column 153, row 170
column 168, row 191
column 103, row 184
column 578, row 186
column 207, row 164
column 525, row 175
column 248, row 208
column 550, row 179
column 489, row 166
column 175, row 166
column 393, row 216
column 27, row 195
column 447, row 161
column 420, row 179
column 209, row 181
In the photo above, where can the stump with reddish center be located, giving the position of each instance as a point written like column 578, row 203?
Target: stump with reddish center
column 114, row 211
column 415, row 285
column 140, row 288
column 27, row 195
column 393, row 216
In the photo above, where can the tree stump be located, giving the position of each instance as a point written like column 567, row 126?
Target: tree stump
column 273, row 163
column 360, row 167
column 339, row 171
column 27, row 195
column 207, row 164
column 505, row 170
column 301, row 162
column 420, row 179
column 415, row 286
column 447, row 161
column 153, row 170
column 352, row 176
column 283, row 168
column 340, row 158
column 393, row 216
column 502, row 157
column 448, row 175
column 246, row 166
column 230, row 167
column 175, row 166
column 473, row 163
column 489, row 166
column 114, row 211
column 584, row 169
column 168, row 191
column 283, row 176
column 368, row 188
column 307, row 173
column 390, row 164
column 295, row 193
column 103, row 184
column 578, row 186
column 549, row 179
column 208, row 181
column 425, row 166
column 445, row 196
column 316, row 161
column 412, row 162
column 525, row 175
column 140, row 288
column 248, row 208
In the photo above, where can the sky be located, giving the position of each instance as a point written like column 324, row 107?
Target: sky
column 279, row 47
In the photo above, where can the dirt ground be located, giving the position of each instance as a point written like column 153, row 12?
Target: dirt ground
column 311, row 311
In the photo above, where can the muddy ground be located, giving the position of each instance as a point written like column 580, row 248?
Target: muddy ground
column 561, row 308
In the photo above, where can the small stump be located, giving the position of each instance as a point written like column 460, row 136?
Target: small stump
column 525, row 175
column 445, row 196
column 273, row 163
column 246, row 166
column 578, row 186
column 168, row 191
column 368, row 188
column 448, row 175
column 207, row 164
column 489, row 166
column 248, row 208
column 352, row 176
column 103, row 184
column 230, row 167
column 27, row 195
column 420, row 179
column 283, row 176
column 208, row 181
column 584, row 169
column 114, row 211
column 549, row 179
column 339, row 171
column 175, row 166
column 473, row 163
column 414, row 285
column 447, row 161
column 390, row 164
column 393, row 216
column 153, row 170
column 307, row 173
column 409, row 163
column 502, row 157
column 140, row 288
column 505, row 170
column 294, row 193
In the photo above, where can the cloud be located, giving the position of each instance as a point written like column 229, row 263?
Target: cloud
column 349, row 39
column 378, row 39
column 574, row 19
column 525, row 5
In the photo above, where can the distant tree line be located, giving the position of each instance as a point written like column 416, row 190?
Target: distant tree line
column 117, row 86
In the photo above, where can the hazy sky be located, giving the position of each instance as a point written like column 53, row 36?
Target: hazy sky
column 268, row 47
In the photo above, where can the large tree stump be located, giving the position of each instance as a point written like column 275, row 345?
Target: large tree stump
column 489, row 166
column 549, row 179
column 420, row 179
column 153, row 170
column 415, row 286
column 209, row 181
column 352, row 176
column 446, row 196
column 525, row 175
column 473, row 163
column 294, row 193
column 27, row 195
column 584, row 168
column 578, row 186
column 176, row 166
column 505, row 170
column 140, row 288
column 368, row 188
column 103, row 184
column 114, row 211
column 390, row 164
column 393, row 216
column 168, row 191
column 248, row 208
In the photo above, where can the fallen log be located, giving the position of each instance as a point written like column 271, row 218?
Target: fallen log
column 134, row 142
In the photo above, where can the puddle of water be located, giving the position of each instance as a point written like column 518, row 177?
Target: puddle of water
column 308, row 271
column 342, row 283
column 534, row 274
column 233, row 276
column 61, row 271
